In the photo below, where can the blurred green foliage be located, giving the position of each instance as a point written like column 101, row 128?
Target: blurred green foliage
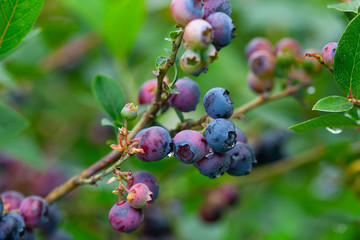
column 48, row 80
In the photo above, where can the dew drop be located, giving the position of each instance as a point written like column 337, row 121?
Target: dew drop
column 218, row 175
column 209, row 153
column 334, row 130
column 170, row 154
column 311, row 90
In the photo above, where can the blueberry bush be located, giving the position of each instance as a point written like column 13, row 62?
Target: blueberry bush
column 179, row 119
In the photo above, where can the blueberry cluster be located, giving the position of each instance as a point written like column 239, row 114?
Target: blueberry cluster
column 127, row 215
column 266, row 62
column 217, row 201
column 223, row 147
column 19, row 215
column 208, row 28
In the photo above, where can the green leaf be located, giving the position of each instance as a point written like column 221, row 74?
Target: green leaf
column 347, row 60
column 351, row 6
column 172, row 88
column 11, row 124
column 160, row 62
column 332, row 121
column 107, row 122
column 26, row 150
column 333, row 104
column 110, row 95
column 174, row 34
column 17, row 17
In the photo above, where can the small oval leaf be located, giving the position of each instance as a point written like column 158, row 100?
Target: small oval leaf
column 110, row 95
column 333, row 104
column 16, row 20
column 351, row 6
column 347, row 60
column 333, row 121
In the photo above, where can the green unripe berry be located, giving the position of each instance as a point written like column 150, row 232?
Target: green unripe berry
column 129, row 112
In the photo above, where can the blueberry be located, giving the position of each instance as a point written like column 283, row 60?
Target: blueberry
column 139, row 195
column 192, row 63
column 155, row 142
column 288, row 45
column 218, row 104
column 328, row 53
column 242, row 159
column 12, row 199
column 147, row 91
column 213, row 165
column 311, row 64
column 183, row 11
column 299, row 76
column 59, row 235
column 155, row 223
column 12, row 226
column 270, row 148
column 129, row 111
column 148, row 179
column 35, row 211
column 54, row 218
column 229, row 194
column 198, row 34
column 189, row 146
column 259, row 85
column 240, row 136
column 262, row 63
column 124, row 218
column 188, row 97
column 211, row 213
column 220, row 135
column 29, row 234
column 223, row 29
column 1, row 207
column 210, row 54
column 212, row 6
column 257, row 44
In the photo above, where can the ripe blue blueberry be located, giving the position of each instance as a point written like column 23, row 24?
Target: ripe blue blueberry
column 35, row 211
column 183, row 11
column 218, row 104
column 259, row 85
column 242, row 159
column 146, row 178
column 189, row 146
column 213, row 165
column 240, row 136
column 156, row 225
column 220, row 135
column 328, row 53
column 1, row 207
column 198, row 34
column 188, row 97
column 155, row 142
column 223, row 29
column 212, row 6
column 12, row 226
column 12, row 199
column 192, row 63
column 262, row 63
column 256, row 44
column 124, row 218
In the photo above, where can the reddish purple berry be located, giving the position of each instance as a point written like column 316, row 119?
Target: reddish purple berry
column 262, row 63
column 213, row 165
column 299, row 76
column 229, row 193
column 259, row 85
column 223, row 29
column 155, row 142
column 147, row 91
column 210, row 212
column 139, row 196
column 240, row 136
column 148, row 179
column 212, row 6
column 12, row 199
column 192, row 63
column 35, row 211
column 189, row 146
column 328, row 53
column 218, row 103
column 288, row 45
column 242, row 159
column 183, row 11
column 220, row 135
column 198, row 34
column 124, row 218
column 257, row 44
column 188, row 97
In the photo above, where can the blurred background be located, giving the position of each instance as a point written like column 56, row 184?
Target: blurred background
column 305, row 185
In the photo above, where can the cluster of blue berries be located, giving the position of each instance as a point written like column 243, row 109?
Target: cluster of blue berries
column 20, row 215
column 208, row 28
column 285, row 60
column 221, row 149
column 127, row 214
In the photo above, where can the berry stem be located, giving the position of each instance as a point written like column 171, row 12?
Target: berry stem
column 113, row 156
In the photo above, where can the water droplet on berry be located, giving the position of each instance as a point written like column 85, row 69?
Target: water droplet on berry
column 170, row 154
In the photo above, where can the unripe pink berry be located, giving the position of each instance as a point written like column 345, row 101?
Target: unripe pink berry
column 139, row 196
